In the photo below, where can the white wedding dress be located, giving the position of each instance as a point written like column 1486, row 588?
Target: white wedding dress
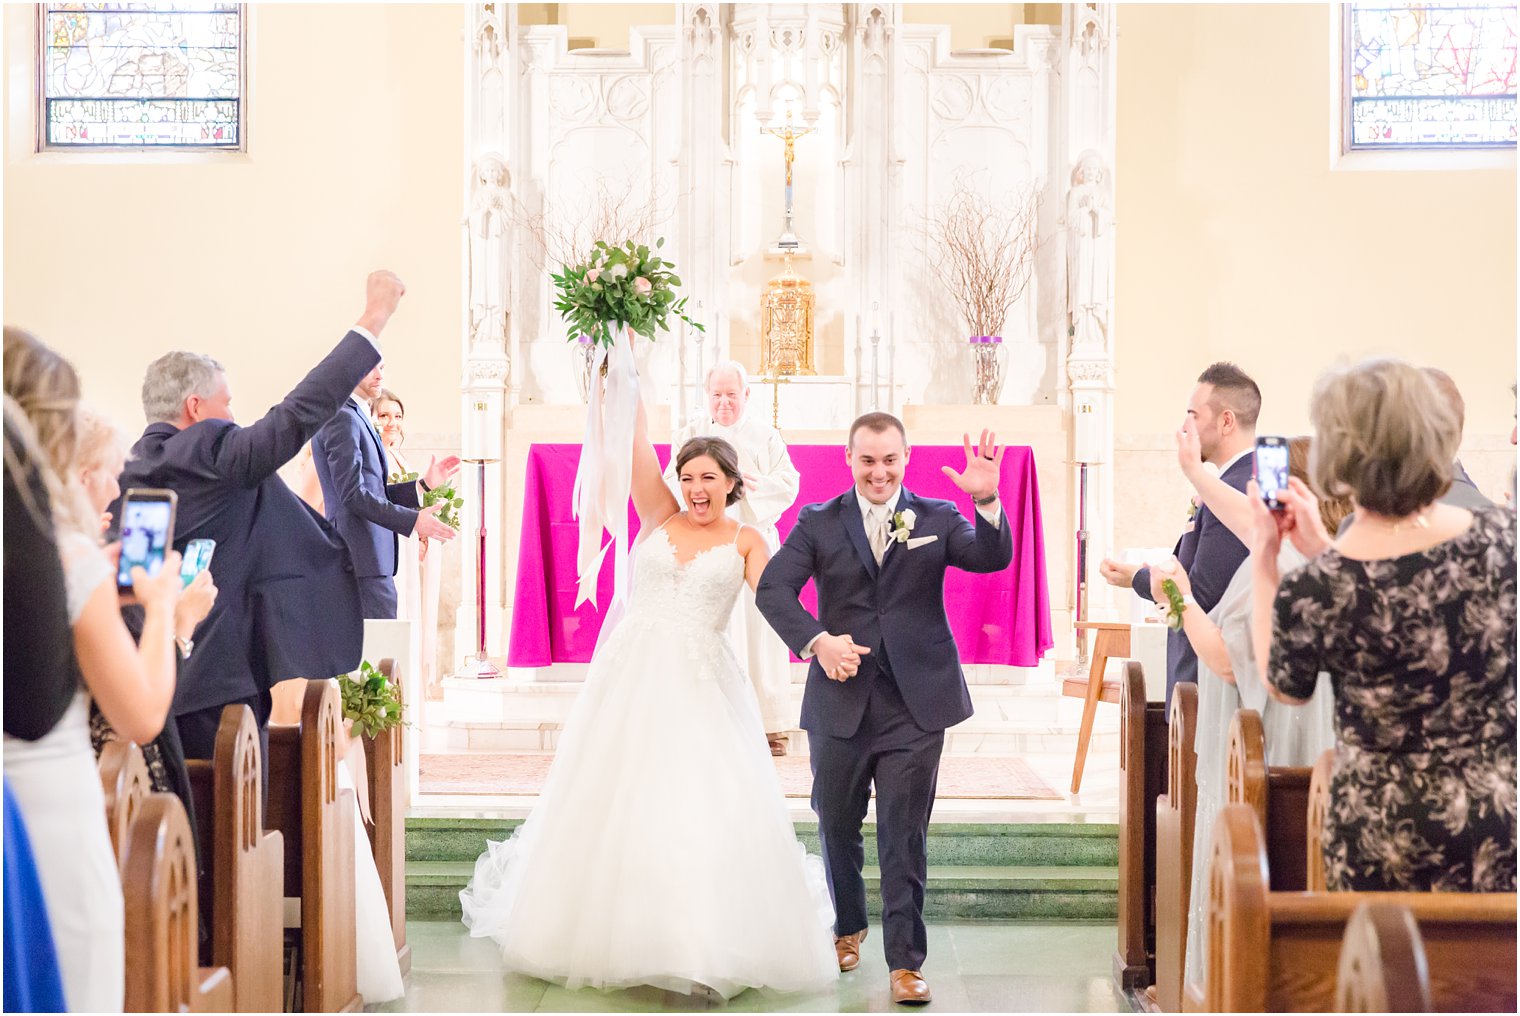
column 660, row 851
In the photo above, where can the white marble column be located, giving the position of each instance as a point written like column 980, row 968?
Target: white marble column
column 703, row 183
column 872, row 170
column 489, row 387
column 1088, row 70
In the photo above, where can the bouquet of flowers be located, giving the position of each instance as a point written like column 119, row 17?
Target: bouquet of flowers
column 444, row 492
column 370, row 700
column 628, row 285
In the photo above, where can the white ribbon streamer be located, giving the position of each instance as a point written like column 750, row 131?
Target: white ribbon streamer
column 604, row 477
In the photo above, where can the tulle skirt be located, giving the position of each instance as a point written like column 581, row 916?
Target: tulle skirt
column 660, row 851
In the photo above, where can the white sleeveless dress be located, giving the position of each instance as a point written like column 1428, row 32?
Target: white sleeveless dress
column 660, row 851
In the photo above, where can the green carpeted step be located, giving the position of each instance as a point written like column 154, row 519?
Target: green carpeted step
column 1069, row 892
column 994, row 844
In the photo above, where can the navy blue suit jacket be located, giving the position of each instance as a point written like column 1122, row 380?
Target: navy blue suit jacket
column 1211, row 555
column 897, row 609
column 287, row 602
column 350, row 461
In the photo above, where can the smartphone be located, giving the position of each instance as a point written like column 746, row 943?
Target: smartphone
column 147, row 532
column 1271, row 469
column 197, row 559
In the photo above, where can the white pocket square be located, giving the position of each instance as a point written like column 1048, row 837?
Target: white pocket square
column 920, row 541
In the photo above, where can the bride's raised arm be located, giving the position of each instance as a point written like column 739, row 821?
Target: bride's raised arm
column 651, row 498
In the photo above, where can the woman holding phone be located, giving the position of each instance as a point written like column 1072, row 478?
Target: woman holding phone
column 54, row 778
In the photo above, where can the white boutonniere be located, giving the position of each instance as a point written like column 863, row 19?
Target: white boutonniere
column 902, row 524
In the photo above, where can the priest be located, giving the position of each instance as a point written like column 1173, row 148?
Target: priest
column 770, row 486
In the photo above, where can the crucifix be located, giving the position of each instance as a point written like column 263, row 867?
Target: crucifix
column 775, row 380
column 790, row 136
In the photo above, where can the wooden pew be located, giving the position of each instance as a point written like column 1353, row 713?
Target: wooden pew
column 1142, row 766
column 124, row 779
column 1279, row 952
column 317, row 823
column 245, row 864
column 1319, row 804
column 1279, row 795
column 385, row 760
column 158, row 890
column 1175, row 813
column 1382, row 966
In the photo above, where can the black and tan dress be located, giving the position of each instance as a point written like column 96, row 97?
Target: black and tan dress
column 1422, row 647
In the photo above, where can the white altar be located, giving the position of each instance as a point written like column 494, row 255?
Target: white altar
column 675, row 137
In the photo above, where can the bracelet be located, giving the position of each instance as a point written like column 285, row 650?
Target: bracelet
column 423, row 484
column 982, row 502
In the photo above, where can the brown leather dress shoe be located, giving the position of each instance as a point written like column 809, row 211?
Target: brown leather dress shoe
column 777, row 744
column 910, row 988
column 847, row 948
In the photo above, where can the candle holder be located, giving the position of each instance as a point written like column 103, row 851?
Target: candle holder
column 987, row 351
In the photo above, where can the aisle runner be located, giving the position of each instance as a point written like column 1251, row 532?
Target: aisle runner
column 962, row 776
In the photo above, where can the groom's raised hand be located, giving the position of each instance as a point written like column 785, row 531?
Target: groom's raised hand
column 839, row 656
column 984, row 466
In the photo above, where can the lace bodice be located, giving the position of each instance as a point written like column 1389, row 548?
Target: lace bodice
column 700, row 592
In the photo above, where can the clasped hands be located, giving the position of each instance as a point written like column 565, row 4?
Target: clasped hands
column 839, row 656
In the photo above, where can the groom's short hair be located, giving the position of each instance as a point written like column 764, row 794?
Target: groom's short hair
column 877, row 423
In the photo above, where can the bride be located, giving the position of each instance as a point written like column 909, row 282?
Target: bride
column 660, row 851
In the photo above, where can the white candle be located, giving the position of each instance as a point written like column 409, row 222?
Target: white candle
column 482, row 431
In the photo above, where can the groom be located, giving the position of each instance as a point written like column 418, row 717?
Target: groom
column 885, row 680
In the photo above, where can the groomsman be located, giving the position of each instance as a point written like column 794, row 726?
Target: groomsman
column 371, row 515
column 771, row 483
column 1223, row 409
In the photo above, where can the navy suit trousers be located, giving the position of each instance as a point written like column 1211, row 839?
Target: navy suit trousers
column 902, row 760
column 377, row 597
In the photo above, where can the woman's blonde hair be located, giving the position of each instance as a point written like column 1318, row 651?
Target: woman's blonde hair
column 1383, row 435
column 100, row 440
column 45, row 387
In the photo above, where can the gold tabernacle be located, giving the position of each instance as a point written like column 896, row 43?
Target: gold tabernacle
column 786, row 324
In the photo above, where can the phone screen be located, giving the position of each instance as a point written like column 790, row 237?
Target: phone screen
column 197, row 559
column 1272, row 472
column 146, row 529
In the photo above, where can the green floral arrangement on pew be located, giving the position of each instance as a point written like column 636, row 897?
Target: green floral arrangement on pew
column 370, row 701
column 444, row 492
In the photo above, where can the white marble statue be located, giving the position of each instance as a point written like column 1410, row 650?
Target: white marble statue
column 488, row 226
column 771, row 483
column 1089, row 216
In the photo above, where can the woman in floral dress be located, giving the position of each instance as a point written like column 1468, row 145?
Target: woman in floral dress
column 1412, row 609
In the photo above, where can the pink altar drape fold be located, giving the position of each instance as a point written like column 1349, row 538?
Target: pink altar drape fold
column 1001, row 618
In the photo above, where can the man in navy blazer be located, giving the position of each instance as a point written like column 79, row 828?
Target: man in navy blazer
column 371, row 514
column 885, row 679
column 1223, row 410
column 287, row 603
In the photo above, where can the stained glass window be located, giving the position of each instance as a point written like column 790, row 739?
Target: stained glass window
column 150, row 75
column 1430, row 75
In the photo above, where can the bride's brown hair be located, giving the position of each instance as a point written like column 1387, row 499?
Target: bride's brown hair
column 721, row 452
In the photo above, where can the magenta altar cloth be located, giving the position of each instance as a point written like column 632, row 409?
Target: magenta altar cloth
column 999, row 618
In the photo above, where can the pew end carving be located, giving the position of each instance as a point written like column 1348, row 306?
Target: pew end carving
column 124, row 781
column 1382, row 966
column 1176, row 812
column 159, row 895
column 1142, row 779
column 245, row 864
column 317, row 824
column 1279, row 795
column 385, row 760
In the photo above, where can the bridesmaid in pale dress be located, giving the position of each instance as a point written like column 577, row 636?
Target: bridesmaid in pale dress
column 419, row 574
column 1227, row 672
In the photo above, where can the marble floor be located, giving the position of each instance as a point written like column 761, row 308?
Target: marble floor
column 973, row 966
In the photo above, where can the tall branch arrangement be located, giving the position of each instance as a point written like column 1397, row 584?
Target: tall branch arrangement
column 983, row 253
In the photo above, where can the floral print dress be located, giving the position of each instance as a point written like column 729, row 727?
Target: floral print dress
column 1422, row 647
